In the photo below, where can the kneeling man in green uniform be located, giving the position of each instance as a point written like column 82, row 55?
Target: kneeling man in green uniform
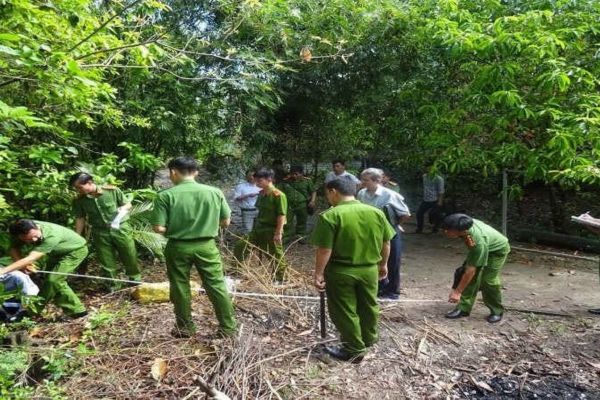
column 189, row 215
column 488, row 250
column 65, row 250
column 100, row 205
column 353, row 246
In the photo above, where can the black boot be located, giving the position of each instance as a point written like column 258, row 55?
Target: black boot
column 341, row 354
column 493, row 318
column 456, row 313
column 595, row 311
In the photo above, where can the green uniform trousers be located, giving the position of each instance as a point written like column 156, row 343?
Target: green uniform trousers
column 488, row 281
column 55, row 287
column 107, row 242
column 272, row 252
column 352, row 303
column 296, row 220
column 181, row 255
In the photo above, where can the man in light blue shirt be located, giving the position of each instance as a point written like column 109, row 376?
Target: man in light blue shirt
column 396, row 210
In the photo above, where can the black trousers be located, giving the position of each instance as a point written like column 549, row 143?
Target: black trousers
column 392, row 283
column 424, row 207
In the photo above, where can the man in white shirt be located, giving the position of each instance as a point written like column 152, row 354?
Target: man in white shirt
column 433, row 199
column 19, row 284
column 245, row 195
column 339, row 172
column 395, row 209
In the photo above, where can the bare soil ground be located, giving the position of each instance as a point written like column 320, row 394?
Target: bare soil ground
column 421, row 355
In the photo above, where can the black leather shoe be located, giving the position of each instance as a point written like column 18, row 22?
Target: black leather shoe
column 456, row 313
column 493, row 318
column 78, row 315
column 341, row 354
column 595, row 311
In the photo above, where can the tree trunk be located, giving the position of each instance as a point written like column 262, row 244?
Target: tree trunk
column 557, row 202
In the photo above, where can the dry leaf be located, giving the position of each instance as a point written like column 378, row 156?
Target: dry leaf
column 36, row 332
column 484, row 386
column 159, row 369
column 74, row 337
column 595, row 365
column 306, row 332
column 306, row 54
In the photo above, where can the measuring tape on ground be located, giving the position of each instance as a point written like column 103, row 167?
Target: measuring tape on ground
column 235, row 293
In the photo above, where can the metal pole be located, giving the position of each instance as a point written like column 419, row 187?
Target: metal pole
column 554, row 253
column 322, row 317
column 504, row 201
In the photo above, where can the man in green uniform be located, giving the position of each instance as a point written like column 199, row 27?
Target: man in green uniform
column 100, row 205
column 267, row 232
column 592, row 226
column 301, row 195
column 488, row 250
column 353, row 245
column 189, row 215
column 65, row 250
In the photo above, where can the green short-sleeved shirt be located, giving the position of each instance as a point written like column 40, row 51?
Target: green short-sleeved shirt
column 100, row 210
column 271, row 203
column 56, row 240
column 354, row 231
column 190, row 210
column 486, row 239
column 297, row 191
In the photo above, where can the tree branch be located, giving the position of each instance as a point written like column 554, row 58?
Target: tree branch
column 128, row 46
column 103, row 25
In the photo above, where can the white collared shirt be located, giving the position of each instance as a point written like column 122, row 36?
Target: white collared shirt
column 243, row 189
column 382, row 197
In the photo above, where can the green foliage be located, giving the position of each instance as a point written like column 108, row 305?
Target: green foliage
column 476, row 86
column 142, row 231
column 117, row 87
column 14, row 361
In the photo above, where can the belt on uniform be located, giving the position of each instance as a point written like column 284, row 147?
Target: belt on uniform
column 248, row 209
column 199, row 239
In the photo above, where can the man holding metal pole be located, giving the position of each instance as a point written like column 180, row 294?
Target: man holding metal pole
column 65, row 250
column 353, row 246
column 593, row 225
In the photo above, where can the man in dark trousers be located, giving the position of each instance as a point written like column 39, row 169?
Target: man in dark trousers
column 353, row 245
column 433, row 199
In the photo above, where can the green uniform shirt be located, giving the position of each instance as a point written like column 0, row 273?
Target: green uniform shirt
column 485, row 240
column 354, row 231
column 190, row 210
column 56, row 240
column 100, row 210
column 297, row 191
column 271, row 203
